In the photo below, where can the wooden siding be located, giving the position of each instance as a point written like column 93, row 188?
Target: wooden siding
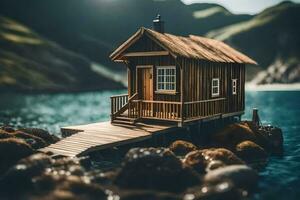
column 154, row 61
column 198, row 77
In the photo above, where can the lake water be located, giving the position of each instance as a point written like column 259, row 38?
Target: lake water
column 279, row 180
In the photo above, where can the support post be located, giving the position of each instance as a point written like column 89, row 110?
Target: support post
column 255, row 117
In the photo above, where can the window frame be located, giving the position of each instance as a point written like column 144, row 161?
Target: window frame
column 234, row 86
column 164, row 82
column 215, row 94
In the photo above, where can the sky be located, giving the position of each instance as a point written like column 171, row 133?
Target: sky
column 241, row 6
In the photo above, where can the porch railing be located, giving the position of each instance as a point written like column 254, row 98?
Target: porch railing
column 205, row 108
column 155, row 110
column 165, row 110
column 118, row 102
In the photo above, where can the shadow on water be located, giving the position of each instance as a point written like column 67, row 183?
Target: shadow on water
column 279, row 180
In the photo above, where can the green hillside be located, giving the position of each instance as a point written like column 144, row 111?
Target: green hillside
column 29, row 62
column 271, row 37
column 92, row 29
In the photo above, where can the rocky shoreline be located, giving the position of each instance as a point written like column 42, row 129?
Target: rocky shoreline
column 225, row 168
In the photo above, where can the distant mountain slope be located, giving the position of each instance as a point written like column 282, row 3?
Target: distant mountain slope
column 94, row 28
column 29, row 62
column 213, row 16
column 271, row 38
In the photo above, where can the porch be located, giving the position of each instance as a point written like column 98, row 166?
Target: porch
column 133, row 109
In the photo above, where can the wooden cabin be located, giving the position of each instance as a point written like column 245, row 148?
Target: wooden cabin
column 180, row 79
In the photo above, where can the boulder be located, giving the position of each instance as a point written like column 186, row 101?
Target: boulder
column 7, row 129
column 41, row 133
column 214, row 164
column 251, row 152
column 222, row 190
column 199, row 160
column 234, row 134
column 33, row 141
column 20, row 177
column 274, row 139
column 181, row 147
column 156, row 169
column 241, row 176
column 11, row 151
column 4, row 134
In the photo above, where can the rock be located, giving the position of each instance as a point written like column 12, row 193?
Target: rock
column 241, row 176
column 200, row 159
column 7, row 129
column 33, row 141
column 234, row 134
column 181, row 148
column 251, row 152
column 20, row 177
column 45, row 135
column 11, row 151
column 81, row 189
column 274, row 139
column 156, row 169
column 145, row 195
column 214, row 164
column 221, row 190
column 4, row 134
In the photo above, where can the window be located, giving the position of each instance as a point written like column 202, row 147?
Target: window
column 215, row 87
column 166, row 78
column 234, row 86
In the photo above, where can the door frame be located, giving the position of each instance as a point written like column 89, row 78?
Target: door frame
column 137, row 78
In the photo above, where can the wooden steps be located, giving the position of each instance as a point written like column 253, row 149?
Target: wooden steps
column 98, row 136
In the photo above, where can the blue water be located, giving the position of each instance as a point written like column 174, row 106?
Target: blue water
column 279, row 180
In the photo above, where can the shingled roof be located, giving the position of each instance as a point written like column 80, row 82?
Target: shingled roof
column 189, row 47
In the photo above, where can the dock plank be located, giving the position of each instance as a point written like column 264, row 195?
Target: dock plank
column 98, row 136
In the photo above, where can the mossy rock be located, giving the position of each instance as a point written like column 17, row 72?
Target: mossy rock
column 4, row 134
column 200, row 160
column 41, row 133
column 11, row 151
column 34, row 141
column 155, row 169
column 251, row 152
column 181, row 147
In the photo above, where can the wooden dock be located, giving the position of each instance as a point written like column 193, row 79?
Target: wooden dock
column 84, row 139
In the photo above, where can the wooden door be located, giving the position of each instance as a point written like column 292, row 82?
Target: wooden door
column 145, row 77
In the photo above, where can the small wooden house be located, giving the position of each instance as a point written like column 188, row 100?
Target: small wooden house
column 181, row 79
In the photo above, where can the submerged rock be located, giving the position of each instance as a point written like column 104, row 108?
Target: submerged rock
column 201, row 159
column 181, row 147
column 251, row 152
column 155, row 168
column 12, row 150
column 241, row 176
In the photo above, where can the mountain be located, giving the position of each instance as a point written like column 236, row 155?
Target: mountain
column 214, row 16
column 92, row 29
column 29, row 62
column 271, row 38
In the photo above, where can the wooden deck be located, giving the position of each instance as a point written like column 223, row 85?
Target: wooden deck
column 83, row 139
